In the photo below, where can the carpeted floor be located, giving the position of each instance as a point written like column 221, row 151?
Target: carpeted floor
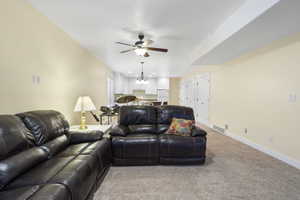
column 233, row 171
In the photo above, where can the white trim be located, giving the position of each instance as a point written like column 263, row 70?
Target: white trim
column 274, row 154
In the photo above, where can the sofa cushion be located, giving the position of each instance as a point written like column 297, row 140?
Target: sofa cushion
column 167, row 113
column 181, row 146
column 134, row 115
column 45, row 125
column 73, row 150
column 22, row 193
column 78, row 176
column 142, row 128
column 15, row 165
column 40, row 174
column 68, row 171
column 13, row 136
column 136, row 146
column 37, row 192
column 52, row 192
column 102, row 150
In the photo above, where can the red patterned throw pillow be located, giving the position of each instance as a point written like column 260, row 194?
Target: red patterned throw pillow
column 182, row 127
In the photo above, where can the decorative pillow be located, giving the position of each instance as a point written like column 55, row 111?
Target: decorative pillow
column 182, row 127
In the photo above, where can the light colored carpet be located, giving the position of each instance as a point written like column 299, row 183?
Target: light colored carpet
column 233, row 171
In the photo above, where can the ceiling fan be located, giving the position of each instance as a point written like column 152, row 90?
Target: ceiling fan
column 141, row 47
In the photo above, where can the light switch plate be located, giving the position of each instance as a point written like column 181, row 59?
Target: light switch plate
column 38, row 79
column 292, row 97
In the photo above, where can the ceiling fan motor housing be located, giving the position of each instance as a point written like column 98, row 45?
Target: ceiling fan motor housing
column 141, row 36
column 141, row 42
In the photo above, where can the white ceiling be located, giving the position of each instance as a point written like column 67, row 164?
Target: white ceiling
column 195, row 31
column 174, row 24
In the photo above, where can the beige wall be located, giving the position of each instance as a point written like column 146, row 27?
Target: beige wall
column 253, row 92
column 174, row 91
column 30, row 45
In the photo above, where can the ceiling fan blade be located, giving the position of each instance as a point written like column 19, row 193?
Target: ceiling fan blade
column 125, row 51
column 125, row 44
column 148, row 42
column 146, row 54
column 156, row 49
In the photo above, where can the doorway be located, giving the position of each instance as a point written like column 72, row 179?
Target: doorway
column 195, row 93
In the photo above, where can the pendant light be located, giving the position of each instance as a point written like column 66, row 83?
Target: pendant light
column 141, row 79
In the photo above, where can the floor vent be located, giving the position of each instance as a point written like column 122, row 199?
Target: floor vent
column 219, row 129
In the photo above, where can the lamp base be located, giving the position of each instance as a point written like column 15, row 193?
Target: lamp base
column 83, row 125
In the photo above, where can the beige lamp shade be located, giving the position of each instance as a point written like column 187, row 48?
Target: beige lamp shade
column 84, row 103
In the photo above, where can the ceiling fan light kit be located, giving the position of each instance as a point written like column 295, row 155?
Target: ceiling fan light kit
column 140, row 51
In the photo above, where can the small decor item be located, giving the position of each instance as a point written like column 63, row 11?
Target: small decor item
column 182, row 127
column 84, row 103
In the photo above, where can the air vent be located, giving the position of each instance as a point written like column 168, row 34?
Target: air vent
column 219, row 129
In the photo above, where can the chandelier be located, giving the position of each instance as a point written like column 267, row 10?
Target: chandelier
column 141, row 79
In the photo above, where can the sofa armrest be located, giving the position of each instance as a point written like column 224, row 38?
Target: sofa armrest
column 119, row 130
column 88, row 136
column 197, row 131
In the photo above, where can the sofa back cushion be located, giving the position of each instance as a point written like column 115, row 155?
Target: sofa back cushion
column 166, row 114
column 142, row 128
column 14, row 136
column 17, row 153
column 45, row 125
column 138, row 115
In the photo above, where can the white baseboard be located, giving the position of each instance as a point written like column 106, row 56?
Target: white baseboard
column 274, row 154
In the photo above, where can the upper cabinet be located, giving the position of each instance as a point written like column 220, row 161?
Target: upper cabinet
column 126, row 85
column 120, row 84
column 150, row 88
column 163, row 83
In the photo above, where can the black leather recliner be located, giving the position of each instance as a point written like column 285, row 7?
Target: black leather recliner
column 139, row 137
column 41, row 159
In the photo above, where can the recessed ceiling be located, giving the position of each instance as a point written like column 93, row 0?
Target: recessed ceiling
column 281, row 21
column 177, row 25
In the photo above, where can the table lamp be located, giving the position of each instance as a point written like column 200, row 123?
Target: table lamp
column 83, row 104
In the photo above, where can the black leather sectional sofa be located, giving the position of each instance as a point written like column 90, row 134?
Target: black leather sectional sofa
column 139, row 138
column 40, row 159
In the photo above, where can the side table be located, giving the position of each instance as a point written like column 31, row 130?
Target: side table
column 103, row 128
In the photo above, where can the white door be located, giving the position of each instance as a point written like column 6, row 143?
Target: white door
column 194, row 93
column 197, row 99
column 202, row 108
column 110, row 92
column 181, row 92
